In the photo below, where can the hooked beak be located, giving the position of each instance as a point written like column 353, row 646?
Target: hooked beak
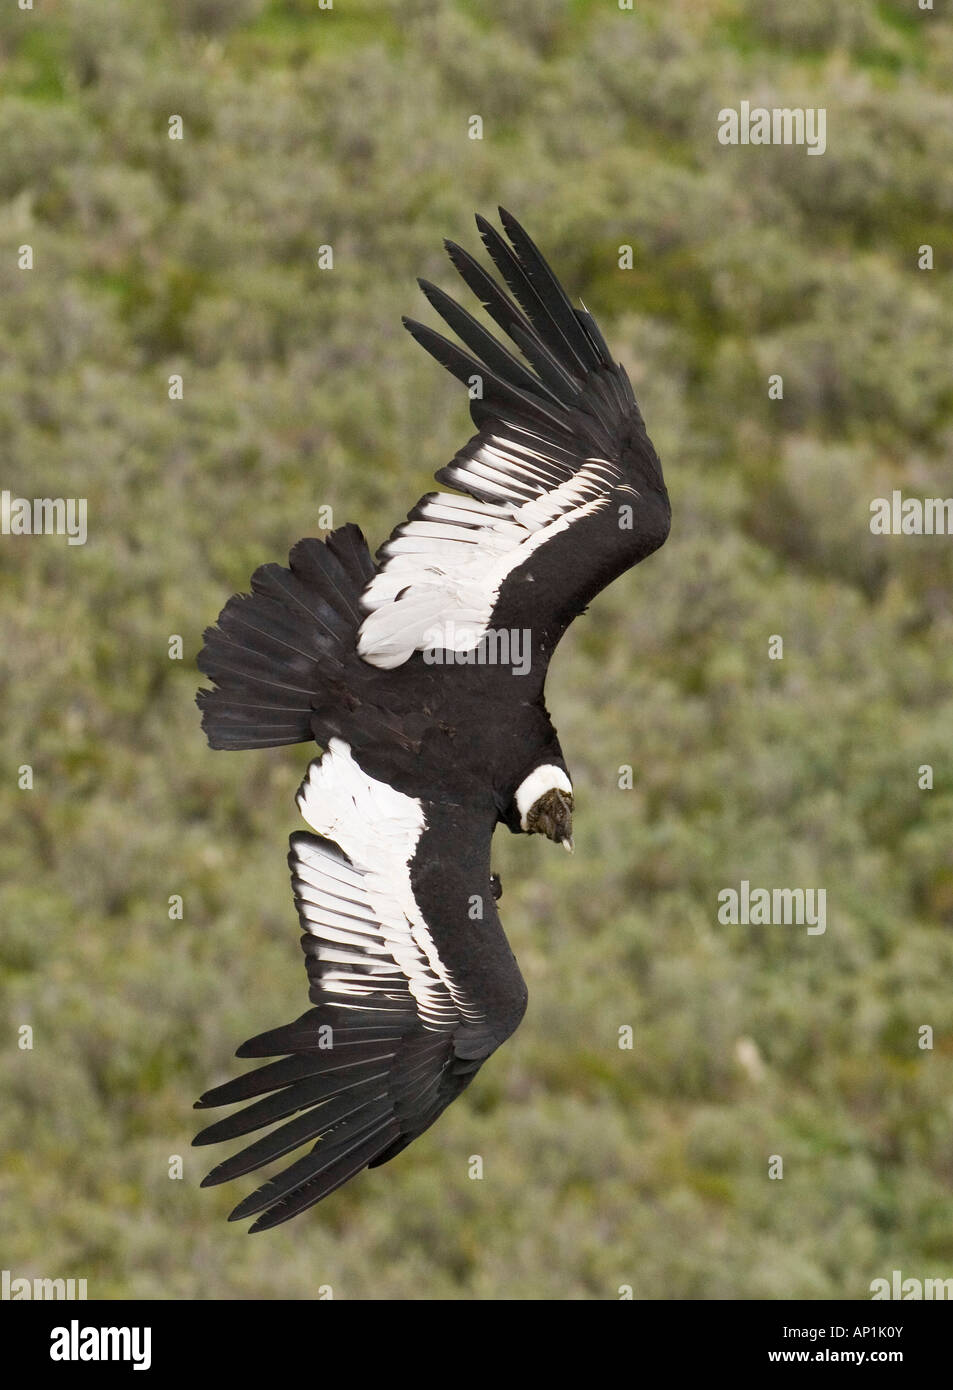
column 552, row 816
column 568, row 844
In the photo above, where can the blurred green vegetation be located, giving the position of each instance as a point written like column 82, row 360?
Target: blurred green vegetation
column 152, row 257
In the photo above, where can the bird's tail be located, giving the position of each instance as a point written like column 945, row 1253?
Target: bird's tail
column 274, row 650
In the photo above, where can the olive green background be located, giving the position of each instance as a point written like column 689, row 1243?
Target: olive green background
column 603, row 1166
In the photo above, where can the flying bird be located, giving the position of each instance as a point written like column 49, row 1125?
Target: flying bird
column 421, row 678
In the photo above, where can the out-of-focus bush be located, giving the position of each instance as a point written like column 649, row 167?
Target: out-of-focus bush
column 348, row 128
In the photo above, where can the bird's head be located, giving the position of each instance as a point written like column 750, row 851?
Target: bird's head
column 544, row 802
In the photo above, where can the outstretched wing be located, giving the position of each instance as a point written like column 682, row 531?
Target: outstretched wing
column 564, row 490
column 404, row 1015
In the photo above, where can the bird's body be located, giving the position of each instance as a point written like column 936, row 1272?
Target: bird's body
column 422, row 678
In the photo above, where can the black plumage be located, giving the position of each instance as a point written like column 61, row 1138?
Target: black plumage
column 421, row 676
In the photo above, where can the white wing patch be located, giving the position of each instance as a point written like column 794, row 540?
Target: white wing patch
column 449, row 565
column 365, row 914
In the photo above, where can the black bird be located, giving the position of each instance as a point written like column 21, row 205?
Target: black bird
column 422, row 678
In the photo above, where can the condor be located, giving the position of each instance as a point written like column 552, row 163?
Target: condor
column 558, row 493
